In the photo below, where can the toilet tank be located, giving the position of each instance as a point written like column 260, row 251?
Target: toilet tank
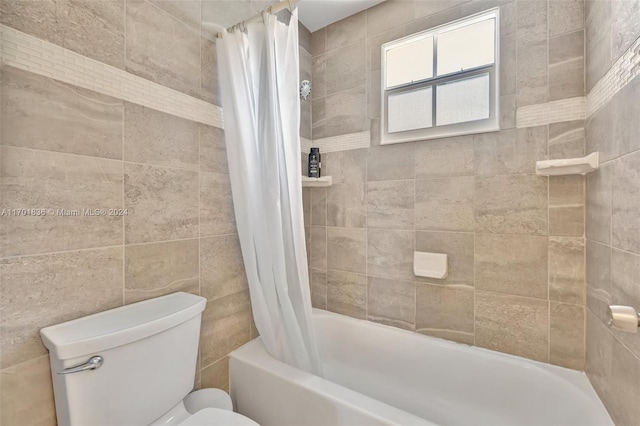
column 149, row 352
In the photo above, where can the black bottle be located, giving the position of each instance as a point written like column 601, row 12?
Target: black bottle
column 315, row 164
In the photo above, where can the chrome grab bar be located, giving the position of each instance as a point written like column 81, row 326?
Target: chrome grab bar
column 93, row 363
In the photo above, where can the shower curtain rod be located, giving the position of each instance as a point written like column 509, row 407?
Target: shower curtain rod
column 273, row 9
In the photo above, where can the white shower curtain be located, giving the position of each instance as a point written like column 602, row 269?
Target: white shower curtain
column 258, row 68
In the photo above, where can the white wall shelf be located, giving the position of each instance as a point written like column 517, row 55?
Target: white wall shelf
column 569, row 166
column 320, row 182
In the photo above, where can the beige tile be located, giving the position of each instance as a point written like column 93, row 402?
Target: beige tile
column 508, row 111
column 91, row 28
column 319, row 242
column 374, row 45
column 567, row 270
column 508, row 66
column 598, row 274
column 626, row 127
column 599, row 132
column 597, row 40
column 216, row 375
column 432, row 21
column 347, row 249
column 318, row 41
column 566, row 206
column 566, row 66
column 623, row 406
column 318, row 109
column 391, row 302
column 625, row 220
column 532, row 73
column 390, row 162
column 625, row 22
column 162, row 49
column 153, row 137
column 625, row 276
column 374, row 94
column 459, row 250
column 43, row 290
column 187, row 11
column 508, row 20
column 445, row 204
column 346, row 112
column 318, row 279
column 318, row 206
column 566, row 335
column 389, row 14
column 53, row 181
column 445, row 309
column 216, row 205
column 318, row 68
column 567, row 139
column 346, row 31
column 346, row 198
column 210, row 85
column 304, row 36
column 532, row 21
column 347, row 293
column 390, row 253
column 213, row 151
column 565, row 16
column 42, row 113
column 444, row 157
column 599, row 189
column 346, row 67
column 510, row 151
column 225, row 326
column 306, row 206
column 512, row 324
column 152, row 270
column 512, row 264
column 221, row 267
column 390, row 204
column 599, row 357
column 511, row 204
column 431, row 7
column 162, row 203
column 26, row 394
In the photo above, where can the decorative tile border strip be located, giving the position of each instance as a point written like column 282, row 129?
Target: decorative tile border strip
column 626, row 68
column 551, row 112
column 340, row 143
column 31, row 54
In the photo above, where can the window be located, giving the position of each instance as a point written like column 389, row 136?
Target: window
column 442, row 82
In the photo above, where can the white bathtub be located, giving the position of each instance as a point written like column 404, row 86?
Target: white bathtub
column 379, row 375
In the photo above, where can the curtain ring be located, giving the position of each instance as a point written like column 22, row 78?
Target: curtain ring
column 265, row 14
column 290, row 5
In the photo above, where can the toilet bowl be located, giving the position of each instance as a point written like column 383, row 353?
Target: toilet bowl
column 134, row 365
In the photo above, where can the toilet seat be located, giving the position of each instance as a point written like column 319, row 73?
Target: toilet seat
column 217, row 417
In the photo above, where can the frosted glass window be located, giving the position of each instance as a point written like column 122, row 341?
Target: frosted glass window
column 410, row 62
column 410, row 110
column 467, row 47
column 463, row 100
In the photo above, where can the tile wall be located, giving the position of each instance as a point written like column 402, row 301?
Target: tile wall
column 515, row 240
column 612, row 208
column 64, row 147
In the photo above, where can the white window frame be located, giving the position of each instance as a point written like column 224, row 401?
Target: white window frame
column 490, row 124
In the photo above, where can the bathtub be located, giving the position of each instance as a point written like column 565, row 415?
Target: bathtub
column 380, row 375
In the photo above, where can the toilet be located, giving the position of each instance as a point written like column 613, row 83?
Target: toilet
column 135, row 365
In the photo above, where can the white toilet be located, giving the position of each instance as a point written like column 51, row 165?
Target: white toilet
column 135, row 365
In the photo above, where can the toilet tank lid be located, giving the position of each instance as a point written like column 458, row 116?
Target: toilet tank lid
column 119, row 326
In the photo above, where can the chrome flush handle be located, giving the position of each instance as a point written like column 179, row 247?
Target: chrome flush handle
column 93, row 363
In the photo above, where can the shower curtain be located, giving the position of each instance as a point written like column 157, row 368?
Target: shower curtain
column 258, row 66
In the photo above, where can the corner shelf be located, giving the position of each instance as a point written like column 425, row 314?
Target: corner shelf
column 321, row 182
column 569, row 166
